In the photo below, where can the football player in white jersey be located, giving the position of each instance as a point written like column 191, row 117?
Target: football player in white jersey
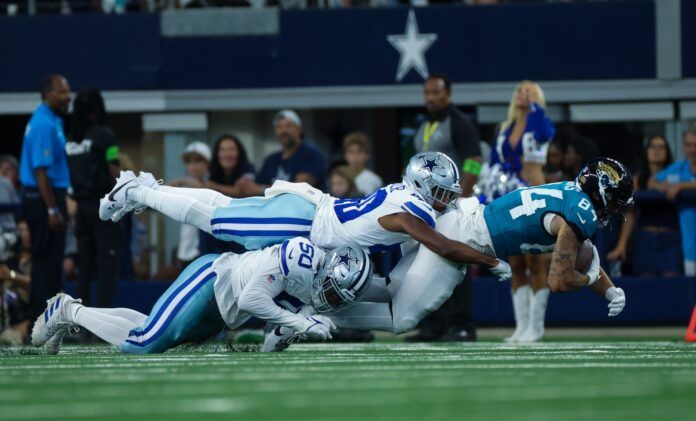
column 385, row 219
column 556, row 217
column 218, row 290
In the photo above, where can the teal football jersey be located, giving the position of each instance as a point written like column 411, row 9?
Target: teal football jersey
column 515, row 221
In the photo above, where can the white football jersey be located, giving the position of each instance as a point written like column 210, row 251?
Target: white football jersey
column 288, row 267
column 339, row 221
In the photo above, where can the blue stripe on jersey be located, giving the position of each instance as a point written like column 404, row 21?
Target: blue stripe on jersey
column 173, row 313
column 283, row 262
column 294, row 221
column 174, row 293
column 256, row 233
column 411, row 208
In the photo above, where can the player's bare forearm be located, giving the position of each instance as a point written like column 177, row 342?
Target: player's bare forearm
column 602, row 284
column 438, row 243
column 562, row 274
column 44, row 184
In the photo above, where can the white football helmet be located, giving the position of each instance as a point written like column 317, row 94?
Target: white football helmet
column 435, row 177
column 342, row 278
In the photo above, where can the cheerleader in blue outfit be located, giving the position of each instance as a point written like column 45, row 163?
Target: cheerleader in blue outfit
column 520, row 148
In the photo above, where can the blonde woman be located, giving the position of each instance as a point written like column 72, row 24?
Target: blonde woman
column 520, row 148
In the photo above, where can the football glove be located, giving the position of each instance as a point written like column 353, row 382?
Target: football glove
column 502, row 270
column 617, row 300
column 319, row 327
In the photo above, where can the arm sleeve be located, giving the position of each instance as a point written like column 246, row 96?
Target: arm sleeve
column 465, row 137
column 39, row 139
column 257, row 300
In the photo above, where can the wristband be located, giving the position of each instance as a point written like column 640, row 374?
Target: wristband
column 471, row 166
column 53, row 211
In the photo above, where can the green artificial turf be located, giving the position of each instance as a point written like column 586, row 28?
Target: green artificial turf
column 599, row 380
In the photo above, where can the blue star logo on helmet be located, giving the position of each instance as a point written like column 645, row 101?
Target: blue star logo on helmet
column 431, row 164
column 345, row 259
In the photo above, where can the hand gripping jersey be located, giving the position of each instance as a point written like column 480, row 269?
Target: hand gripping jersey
column 288, row 267
column 516, row 221
column 339, row 221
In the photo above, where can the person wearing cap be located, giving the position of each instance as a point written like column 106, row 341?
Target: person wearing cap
column 196, row 157
column 297, row 161
column 93, row 159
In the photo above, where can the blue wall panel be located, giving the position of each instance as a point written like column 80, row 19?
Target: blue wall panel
column 336, row 47
column 109, row 52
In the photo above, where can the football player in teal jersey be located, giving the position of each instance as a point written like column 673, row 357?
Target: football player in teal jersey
column 555, row 218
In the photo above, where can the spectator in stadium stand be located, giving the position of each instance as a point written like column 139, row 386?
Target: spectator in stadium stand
column 9, row 168
column 578, row 151
column 356, row 148
column 44, row 176
column 341, row 183
column 93, row 158
column 657, row 251
column 16, row 275
column 297, row 161
column 520, row 147
column 229, row 170
column 197, row 158
column 448, row 130
column 553, row 171
column 678, row 178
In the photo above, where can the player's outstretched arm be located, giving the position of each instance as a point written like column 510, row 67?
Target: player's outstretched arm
column 616, row 296
column 438, row 243
column 562, row 274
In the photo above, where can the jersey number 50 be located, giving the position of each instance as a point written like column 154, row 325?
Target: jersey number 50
column 306, row 256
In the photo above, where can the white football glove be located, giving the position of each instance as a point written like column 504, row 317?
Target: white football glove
column 502, row 270
column 617, row 300
column 319, row 327
column 593, row 271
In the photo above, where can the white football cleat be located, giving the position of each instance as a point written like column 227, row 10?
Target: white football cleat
column 53, row 319
column 148, row 180
column 52, row 346
column 279, row 338
column 114, row 204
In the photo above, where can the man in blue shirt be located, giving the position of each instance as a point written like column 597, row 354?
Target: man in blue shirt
column 680, row 177
column 297, row 161
column 44, row 176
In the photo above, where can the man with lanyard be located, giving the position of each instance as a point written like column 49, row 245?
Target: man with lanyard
column 449, row 131
column 94, row 164
column 44, row 176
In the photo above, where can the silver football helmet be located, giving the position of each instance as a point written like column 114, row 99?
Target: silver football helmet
column 435, row 177
column 342, row 278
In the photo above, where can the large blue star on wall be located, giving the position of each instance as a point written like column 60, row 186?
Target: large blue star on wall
column 345, row 259
column 431, row 164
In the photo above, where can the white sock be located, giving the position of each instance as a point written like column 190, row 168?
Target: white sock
column 126, row 313
column 112, row 329
column 364, row 316
column 521, row 299
column 179, row 208
column 206, row 196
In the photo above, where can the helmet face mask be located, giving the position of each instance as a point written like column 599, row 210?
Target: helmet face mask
column 435, row 177
column 609, row 185
column 341, row 280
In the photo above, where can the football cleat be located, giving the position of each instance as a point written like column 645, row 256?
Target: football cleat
column 52, row 346
column 53, row 319
column 114, row 204
column 146, row 179
column 279, row 338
